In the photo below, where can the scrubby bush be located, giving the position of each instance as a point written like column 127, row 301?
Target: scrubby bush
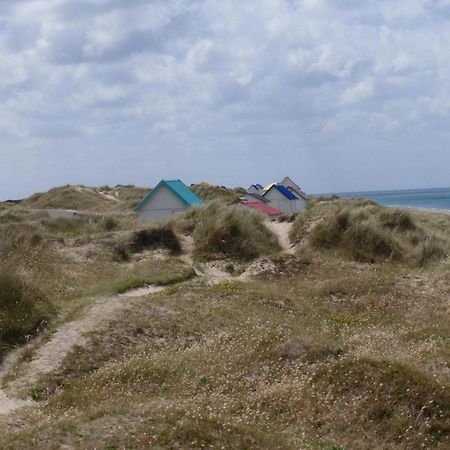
column 397, row 219
column 372, row 233
column 23, row 309
column 208, row 192
column 430, row 249
column 297, row 231
column 76, row 226
column 159, row 236
column 228, row 231
column 358, row 233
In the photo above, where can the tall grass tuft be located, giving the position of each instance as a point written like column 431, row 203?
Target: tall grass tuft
column 430, row 249
column 359, row 234
column 23, row 309
column 158, row 236
column 227, row 231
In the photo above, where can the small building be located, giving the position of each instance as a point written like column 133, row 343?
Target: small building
column 284, row 199
column 251, row 197
column 255, row 189
column 262, row 207
column 169, row 197
column 292, row 186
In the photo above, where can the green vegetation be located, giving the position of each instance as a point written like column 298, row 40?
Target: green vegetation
column 366, row 232
column 23, row 309
column 342, row 344
column 158, row 236
column 83, row 198
column 208, row 192
column 226, row 231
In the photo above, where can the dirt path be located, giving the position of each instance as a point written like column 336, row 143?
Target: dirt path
column 51, row 354
column 281, row 229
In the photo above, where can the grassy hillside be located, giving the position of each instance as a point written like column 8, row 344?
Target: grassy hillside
column 209, row 192
column 84, row 198
column 339, row 343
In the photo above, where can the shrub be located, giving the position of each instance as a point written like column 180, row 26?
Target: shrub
column 160, row 236
column 76, row 226
column 430, row 249
column 397, row 219
column 227, row 231
column 359, row 234
column 368, row 243
column 297, row 231
column 23, row 309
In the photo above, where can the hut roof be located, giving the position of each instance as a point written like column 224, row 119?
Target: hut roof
column 188, row 197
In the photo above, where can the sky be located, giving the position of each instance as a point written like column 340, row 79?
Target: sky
column 342, row 95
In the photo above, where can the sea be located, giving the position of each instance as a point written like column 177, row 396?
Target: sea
column 438, row 198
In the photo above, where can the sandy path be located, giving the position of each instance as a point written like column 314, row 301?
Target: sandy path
column 51, row 354
column 281, row 229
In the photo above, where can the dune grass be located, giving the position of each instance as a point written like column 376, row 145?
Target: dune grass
column 207, row 192
column 334, row 353
column 23, row 308
column 331, row 359
column 226, row 231
column 366, row 232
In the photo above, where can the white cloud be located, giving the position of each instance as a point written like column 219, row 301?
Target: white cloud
column 217, row 80
column 360, row 91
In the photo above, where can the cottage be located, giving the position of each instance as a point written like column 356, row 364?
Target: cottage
column 167, row 198
column 284, row 199
column 255, row 189
column 248, row 197
column 292, row 186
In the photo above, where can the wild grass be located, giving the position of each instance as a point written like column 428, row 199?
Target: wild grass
column 83, row 198
column 366, row 232
column 226, row 231
column 208, row 192
column 263, row 365
column 155, row 237
column 78, row 226
column 23, row 308
column 329, row 353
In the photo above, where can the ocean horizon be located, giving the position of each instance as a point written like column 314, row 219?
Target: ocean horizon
column 431, row 198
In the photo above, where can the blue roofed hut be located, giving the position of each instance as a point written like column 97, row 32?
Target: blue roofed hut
column 169, row 197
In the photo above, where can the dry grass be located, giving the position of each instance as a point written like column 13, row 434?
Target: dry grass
column 332, row 353
column 23, row 308
column 259, row 365
column 208, row 192
column 226, row 231
column 158, row 236
column 83, row 198
column 367, row 232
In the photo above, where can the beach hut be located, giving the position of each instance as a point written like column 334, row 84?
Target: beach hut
column 167, row 198
column 255, row 189
column 292, row 186
column 284, row 199
column 248, row 197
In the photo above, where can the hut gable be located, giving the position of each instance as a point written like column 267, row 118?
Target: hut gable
column 284, row 199
column 169, row 197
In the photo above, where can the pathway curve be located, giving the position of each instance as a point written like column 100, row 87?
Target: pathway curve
column 51, row 354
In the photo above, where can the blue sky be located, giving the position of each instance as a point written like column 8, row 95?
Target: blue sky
column 341, row 95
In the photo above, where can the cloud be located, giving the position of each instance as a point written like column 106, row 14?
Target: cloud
column 225, row 91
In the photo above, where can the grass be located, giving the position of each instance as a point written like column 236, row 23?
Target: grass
column 23, row 309
column 225, row 231
column 255, row 365
column 367, row 232
column 82, row 198
column 324, row 352
column 158, row 236
column 208, row 192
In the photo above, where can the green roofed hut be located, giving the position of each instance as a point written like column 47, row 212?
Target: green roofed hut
column 167, row 198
